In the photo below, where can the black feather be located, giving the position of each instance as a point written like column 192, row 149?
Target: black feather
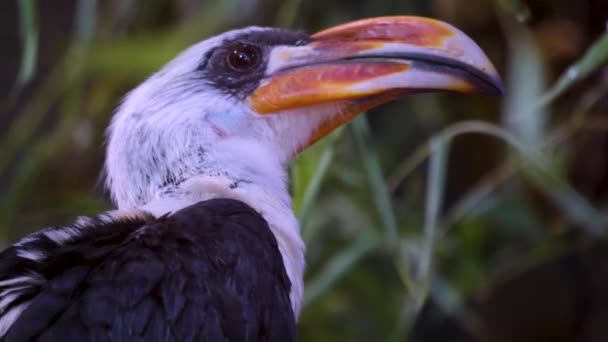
column 209, row 272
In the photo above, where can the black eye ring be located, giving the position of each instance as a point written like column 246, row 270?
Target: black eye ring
column 243, row 57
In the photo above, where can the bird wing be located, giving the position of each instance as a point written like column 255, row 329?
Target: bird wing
column 209, row 272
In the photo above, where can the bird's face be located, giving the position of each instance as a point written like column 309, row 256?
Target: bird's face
column 244, row 103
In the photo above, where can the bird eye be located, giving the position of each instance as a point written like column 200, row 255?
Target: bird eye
column 244, row 57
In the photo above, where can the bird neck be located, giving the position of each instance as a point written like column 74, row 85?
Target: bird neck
column 272, row 201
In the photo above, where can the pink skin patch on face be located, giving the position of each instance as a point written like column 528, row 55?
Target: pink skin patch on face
column 219, row 132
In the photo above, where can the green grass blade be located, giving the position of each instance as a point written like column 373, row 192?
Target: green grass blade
column 434, row 199
column 85, row 20
column 595, row 57
column 28, row 24
column 525, row 84
column 371, row 163
column 574, row 206
column 308, row 174
column 382, row 200
column 343, row 261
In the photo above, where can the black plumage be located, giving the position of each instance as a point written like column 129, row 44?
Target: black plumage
column 209, row 272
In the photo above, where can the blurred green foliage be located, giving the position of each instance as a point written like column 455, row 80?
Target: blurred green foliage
column 431, row 196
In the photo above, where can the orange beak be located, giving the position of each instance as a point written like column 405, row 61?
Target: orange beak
column 360, row 65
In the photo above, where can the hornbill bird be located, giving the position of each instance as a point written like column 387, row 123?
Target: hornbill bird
column 203, row 244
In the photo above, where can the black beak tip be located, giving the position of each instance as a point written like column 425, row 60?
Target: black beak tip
column 499, row 87
column 489, row 85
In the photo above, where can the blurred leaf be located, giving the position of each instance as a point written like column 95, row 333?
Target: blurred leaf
column 25, row 126
column 526, row 81
column 67, row 75
column 473, row 199
column 409, row 165
column 434, row 199
column 595, row 94
column 28, row 24
column 86, row 20
column 144, row 54
column 371, row 164
column 490, row 183
column 595, row 57
column 516, row 8
column 339, row 264
column 308, row 173
column 382, row 201
column 288, row 13
column 38, row 152
column 136, row 57
column 574, row 206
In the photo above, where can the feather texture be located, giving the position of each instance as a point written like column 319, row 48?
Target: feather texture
column 209, row 272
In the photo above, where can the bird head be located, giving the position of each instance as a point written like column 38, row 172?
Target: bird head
column 226, row 116
column 242, row 104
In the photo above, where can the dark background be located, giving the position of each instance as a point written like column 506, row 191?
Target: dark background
column 514, row 249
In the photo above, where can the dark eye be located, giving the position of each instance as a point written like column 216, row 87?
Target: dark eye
column 244, row 57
